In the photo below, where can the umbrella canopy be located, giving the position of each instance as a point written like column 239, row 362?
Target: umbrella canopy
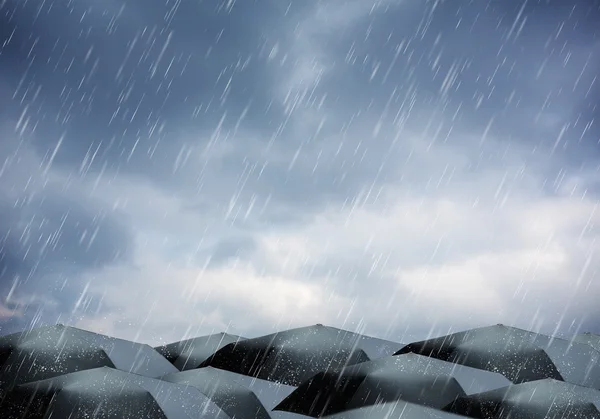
column 235, row 399
column 107, row 393
column 63, row 372
column 190, row 353
column 269, row 393
column 395, row 410
column 411, row 378
column 295, row 355
column 519, row 355
column 47, row 352
column 543, row 399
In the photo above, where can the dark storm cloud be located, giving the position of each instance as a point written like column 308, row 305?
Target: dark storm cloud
column 494, row 65
column 49, row 240
column 111, row 74
column 102, row 77
column 49, row 236
column 215, row 123
column 578, row 17
column 134, row 88
column 123, row 81
column 587, row 114
column 132, row 85
column 66, row 232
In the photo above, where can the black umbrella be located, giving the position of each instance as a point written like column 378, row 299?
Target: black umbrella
column 292, row 356
column 47, row 352
column 190, row 353
column 107, row 393
column 543, row 399
column 395, row 410
column 518, row 354
column 410, row 378
column 235, row 399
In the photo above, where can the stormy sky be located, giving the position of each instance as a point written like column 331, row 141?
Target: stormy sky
column 400, row 167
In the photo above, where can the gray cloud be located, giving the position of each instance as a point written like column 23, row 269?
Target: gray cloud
column 49, row 236
column 304, row 164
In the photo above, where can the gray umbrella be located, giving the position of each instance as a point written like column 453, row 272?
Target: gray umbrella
column 543, row 399
column 269, row 393
column 190, row 353
column 293, row 356
column 47, row 352
column 410, row 378
column 107, row 393
column 235, row 399
column 518, row 354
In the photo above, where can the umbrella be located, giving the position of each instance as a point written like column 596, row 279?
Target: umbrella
column 411, row 378
column 519, row 355
column 269, row 393
column 235, row 399
column 47, row 352
column 395, row 410
column 295, row 355
column 190, row 353
column 543, row 399
column 107, row 393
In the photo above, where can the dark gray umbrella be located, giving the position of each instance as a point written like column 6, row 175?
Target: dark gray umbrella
column 107, row 393
column 235, row 399
column 410, row 378
column 543, row 399
column 47, row 352
column 518, row 354
column 269, row 393
column 190, row 353
column 293, row 356
column 395, row 410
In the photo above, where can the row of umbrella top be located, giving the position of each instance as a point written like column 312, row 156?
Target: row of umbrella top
column 520, row 355
column 295, row 355
column 309, row 349
column 49, row 351
column 366, row 392
column 315, row 371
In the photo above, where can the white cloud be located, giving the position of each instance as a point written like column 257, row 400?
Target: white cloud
column 458, row 255
column 158, row 298
column 484, row 245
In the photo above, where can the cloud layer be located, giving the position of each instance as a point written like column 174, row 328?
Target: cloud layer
column 396, row 167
